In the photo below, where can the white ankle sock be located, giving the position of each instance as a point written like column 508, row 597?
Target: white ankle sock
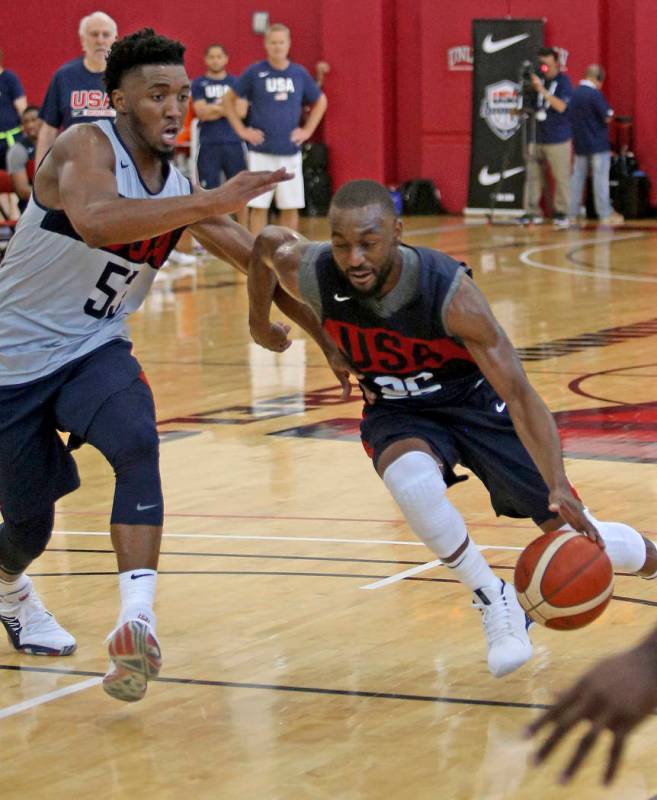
column 625, row 546
column 472, row 569
column 417, row 484
column 137, row 589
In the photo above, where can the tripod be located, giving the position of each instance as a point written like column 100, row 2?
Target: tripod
column 528, row 137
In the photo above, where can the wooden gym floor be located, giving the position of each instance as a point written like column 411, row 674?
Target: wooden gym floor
column 308, row 652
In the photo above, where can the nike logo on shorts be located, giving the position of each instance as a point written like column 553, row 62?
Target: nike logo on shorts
column 499, row 407
column 341, row 298
column 125, row 166
column 145, row 508
column 134, row 577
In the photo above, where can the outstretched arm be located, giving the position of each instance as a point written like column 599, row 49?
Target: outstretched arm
column 78, row 176
column 616, row 695
column 470, row 318
column 274, row 268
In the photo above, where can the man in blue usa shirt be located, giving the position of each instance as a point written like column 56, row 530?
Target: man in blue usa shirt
column 277, row 90
column 221, row 151
column 76, row 92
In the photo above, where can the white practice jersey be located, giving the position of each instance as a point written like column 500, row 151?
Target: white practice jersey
column 59, row 298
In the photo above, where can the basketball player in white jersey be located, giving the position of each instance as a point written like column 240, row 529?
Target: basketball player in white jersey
column 107, row 209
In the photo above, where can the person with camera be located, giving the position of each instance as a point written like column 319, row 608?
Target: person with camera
column 552, row 147
column 590, row 114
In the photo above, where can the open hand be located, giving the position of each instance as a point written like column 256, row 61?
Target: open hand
column 564, row 503
column 235, row 193
column 616, row 695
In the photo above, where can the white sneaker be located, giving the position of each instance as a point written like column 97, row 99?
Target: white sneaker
column 30, row 627
column 613, row 219
column 135, row 659
column 182, row 259
column 505, row 626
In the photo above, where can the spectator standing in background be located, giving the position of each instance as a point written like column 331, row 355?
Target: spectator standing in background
column 277, row 90
column 221, row 151
column 20, row 158
column 589, row 115
column 553, row 140
column 76, row 92
column 12, row 105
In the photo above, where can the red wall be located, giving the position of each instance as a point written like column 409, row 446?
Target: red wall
column 34, row 50
column 395, row 111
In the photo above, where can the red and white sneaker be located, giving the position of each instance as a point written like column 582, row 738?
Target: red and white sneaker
column 135, row 659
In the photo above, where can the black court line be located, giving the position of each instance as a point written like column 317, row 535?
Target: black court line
column 288, row 557
column 275, row 687
column 288, row 574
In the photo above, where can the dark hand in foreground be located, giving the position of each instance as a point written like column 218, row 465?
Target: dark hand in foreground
column 564, row 503
column 615, row 695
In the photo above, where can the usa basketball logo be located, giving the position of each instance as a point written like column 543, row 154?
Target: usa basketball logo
column 500, row 100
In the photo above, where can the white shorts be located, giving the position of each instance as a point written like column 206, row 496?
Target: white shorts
column 289, row 194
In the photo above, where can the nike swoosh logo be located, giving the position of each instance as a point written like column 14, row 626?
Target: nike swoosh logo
column 134, row 577
column 499, row 407
column 263, row 74
column 145, row 508
column 487, row 178
column 489, row 46
column 125, row 166
column 340, row 298
column 478, row 383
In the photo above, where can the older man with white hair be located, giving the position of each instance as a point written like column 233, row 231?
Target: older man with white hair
column 76, row 92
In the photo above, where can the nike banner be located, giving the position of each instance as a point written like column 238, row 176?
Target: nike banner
column 497, row 168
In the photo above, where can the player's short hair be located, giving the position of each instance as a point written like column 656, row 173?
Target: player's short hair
column 278, row 27
column 102, row 15
column 358, row 194
column 216, row 44
column 28, row 109
column 549, row 51
column 137, row 50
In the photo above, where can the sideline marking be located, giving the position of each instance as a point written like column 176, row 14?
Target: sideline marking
column 280, row 539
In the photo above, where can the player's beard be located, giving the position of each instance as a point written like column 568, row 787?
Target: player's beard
column 381, row 278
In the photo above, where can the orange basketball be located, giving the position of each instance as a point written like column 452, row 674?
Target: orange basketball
column 564, row 580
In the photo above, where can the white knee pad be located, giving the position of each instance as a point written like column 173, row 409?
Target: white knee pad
column 416, row 483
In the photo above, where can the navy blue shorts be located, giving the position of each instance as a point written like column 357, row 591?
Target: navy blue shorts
column 217, row 159
column 36, row 468
column 477, row 433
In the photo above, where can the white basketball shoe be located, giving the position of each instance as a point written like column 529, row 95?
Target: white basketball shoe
column 505, row 626
column 30, row 627
column 135, row 659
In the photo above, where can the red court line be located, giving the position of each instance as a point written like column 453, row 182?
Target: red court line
column 503, row 525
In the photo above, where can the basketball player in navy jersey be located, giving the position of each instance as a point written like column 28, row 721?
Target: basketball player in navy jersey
column 106, row 210
column 444, row 386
